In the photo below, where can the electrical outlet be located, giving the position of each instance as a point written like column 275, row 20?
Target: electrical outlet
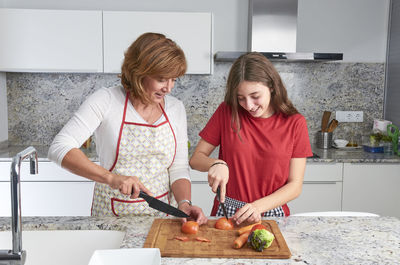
column 350, row 116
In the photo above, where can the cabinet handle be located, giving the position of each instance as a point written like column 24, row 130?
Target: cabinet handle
column 319, row 182
column 199, row 182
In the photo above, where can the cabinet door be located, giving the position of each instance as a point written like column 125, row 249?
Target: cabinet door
column 50, row 198
column 47, row 172
column 191, row 31
column 322, row 189
column 50, row 40
column 372, row 188
column 202, row 195
column 318, row 197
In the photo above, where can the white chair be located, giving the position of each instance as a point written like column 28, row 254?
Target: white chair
column 336, row 213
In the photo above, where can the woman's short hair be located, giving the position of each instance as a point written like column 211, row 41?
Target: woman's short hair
column 154, row 55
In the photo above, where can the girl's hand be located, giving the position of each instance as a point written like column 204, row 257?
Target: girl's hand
column 196, row 213
column 218, row 176
column 248, row 213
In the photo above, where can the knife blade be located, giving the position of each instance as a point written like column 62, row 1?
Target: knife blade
column 222, row 204
column 162, row 206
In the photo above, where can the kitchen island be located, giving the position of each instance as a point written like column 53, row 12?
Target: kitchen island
column 311, row 240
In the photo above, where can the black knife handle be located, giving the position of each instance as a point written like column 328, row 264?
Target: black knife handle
column 144, row 195
column 219, row 193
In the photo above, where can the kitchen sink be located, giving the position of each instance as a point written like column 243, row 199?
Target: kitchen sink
column 63, row 246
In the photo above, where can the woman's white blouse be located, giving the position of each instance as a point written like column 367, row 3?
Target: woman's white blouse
column 101, row 115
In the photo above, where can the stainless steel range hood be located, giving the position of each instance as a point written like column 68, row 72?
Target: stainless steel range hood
column 273, row 32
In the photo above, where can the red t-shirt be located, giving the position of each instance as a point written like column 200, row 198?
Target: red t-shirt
column 259, row 164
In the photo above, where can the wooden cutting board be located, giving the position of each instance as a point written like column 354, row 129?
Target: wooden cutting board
column 163, row 231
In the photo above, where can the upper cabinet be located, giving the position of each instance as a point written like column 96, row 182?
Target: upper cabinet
column 191, row 31
column 50, row 40
column 95, row 41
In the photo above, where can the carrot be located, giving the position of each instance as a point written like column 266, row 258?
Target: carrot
column 182, row 238
column 247, row 228
column 241, row 240
column 202, row 239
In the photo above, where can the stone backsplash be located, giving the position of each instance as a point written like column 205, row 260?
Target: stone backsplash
column 39, row 104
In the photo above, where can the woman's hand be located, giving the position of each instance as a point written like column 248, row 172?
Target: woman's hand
column 196, row 213
column 128, row 185
column 218, row 176
column 249, row 213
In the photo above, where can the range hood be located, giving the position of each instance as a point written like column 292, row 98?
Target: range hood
column 273, row 32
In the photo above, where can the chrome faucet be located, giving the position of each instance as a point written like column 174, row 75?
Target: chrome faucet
column 17, row 255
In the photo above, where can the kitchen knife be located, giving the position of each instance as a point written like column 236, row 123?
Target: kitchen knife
column 162, row 206
column 222, row 204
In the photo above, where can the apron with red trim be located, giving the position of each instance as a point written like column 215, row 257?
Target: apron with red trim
column 145, row 151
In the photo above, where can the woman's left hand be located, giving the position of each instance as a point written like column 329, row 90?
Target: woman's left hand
column 196, row 213
column 248, row 213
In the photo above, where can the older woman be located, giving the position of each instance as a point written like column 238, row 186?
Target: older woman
column 140, row 134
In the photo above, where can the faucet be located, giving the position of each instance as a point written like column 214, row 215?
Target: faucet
column 17, row 256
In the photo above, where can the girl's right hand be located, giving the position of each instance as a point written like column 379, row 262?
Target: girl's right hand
column 128, row 185
column 218, row 176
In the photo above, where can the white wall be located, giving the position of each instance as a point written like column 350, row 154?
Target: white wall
column 358, row 28
column 230, row 16
column 3, row 108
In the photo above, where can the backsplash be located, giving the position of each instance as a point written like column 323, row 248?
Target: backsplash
column 39, row 104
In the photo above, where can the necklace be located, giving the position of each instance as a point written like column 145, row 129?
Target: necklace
column 149, row 112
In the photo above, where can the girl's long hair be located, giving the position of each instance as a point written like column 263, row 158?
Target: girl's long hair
column 255, row 67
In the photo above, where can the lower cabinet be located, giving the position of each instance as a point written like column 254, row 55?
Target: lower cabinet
column 202, row 195
column 357, row 187
column 50, row 198
column 372, row 188
column 322, row 189
column 52, row 192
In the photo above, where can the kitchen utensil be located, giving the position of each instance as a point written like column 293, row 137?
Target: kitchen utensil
column 324, row 140
column 222, row 204
column 325, row 120
column 393, row 132
column 340, row 142
column 162, row 206
column 163, row 231
column 332, row 125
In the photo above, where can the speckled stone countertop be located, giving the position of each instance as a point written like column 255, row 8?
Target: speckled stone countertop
column 331, row 155
column 355, row 155
column 311, row 240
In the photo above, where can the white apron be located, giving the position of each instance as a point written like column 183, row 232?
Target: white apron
column 145, row 151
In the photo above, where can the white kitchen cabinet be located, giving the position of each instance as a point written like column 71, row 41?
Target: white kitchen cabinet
column 202, row 195
column 191, row 31
column 50, row 40
column 52, row 192
column 372, row 188
column 322, row 189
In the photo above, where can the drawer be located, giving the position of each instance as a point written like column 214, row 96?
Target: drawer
column 50, row 198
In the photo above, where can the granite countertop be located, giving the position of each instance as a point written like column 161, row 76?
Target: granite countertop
column 332, row 155
column 351, row 155
column 311, row 240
